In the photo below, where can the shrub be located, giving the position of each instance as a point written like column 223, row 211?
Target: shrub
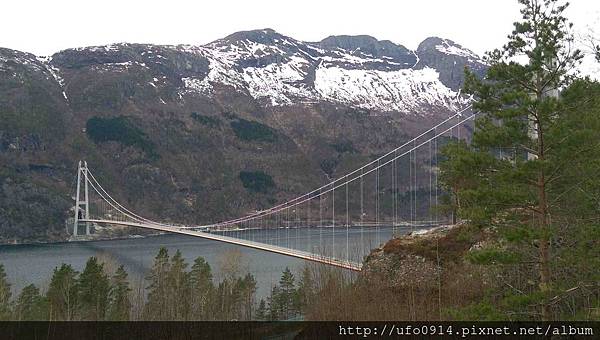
column 344, row 147
column 253, row 131
column 209, row 121
column 121, row 130
column 329, row 165
column 256, row 181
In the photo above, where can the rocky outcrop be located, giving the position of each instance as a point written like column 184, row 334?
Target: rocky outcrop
column 418, row 258
column 399, row 270
column 382, row 55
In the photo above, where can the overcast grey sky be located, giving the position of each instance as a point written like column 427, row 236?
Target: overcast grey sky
column 45, row 27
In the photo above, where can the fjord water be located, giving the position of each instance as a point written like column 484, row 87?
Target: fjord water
column 35, row 263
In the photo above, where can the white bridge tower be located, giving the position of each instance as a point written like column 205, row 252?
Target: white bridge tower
column 82, row 207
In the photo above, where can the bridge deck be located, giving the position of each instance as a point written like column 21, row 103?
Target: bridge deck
column 355, row 266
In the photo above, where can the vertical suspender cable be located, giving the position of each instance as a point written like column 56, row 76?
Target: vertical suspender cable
column 458, row 127
column 415, row 187
column 435, row 144
column 362, row 214
column 394, row 198
column 377, row 204
column 410, row 186
column 308, row 228
column 320, row 223
column 347, row 225
column 430, row 182
column 333, row 222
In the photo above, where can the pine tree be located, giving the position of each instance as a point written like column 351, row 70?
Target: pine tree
column 62, row 293
column 5, row 295
column 228, row 300
column 157, row 306
column 93, row 289
column 228, row 294
column 595, row 45
column 179, row 288
column 455, row 176
column 306, row 290
column 261, row 312
column 247, row 288
column 201, row 290
column 31, row 305
column 287, row 295
column 274, row 305
column 514, row 159
column 575, row 197
column 120, row 302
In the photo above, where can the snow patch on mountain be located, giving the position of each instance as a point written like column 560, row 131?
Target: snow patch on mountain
column 287, row 72
column 222, row 69
column 281, row 83
column 404, row 90
column 285, row 83
column 196, row 85
column 448, row 48
column 357, row 59
column 103, row 48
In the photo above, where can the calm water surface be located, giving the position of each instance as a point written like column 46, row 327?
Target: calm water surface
column 27, row 264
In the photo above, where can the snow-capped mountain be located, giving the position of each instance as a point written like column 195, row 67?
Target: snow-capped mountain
column 358, row 71
column 275, row 70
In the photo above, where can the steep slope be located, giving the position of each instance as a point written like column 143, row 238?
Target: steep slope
column 449, row 59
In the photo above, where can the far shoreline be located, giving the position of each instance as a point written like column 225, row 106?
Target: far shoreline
column 115, row 238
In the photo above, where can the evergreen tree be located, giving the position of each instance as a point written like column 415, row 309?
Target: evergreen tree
column 595, row 45
column 228, row 300
column 62, row 293
column 455, row 176
column 261, row 312
column 575, row 207
column 287, row 295
column 31, row 305
column 179, row 288
column 247, row 289
column 201, row 290
column 120, row 302
column 274, row 305
column 306, row 290
column 5, row 295
column 93, row 288
column 157, row 306
column 507, row 178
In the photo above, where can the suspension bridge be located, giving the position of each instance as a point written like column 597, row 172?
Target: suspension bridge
column 336, row 224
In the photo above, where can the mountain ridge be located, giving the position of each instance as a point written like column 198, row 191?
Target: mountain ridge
column 280, row 70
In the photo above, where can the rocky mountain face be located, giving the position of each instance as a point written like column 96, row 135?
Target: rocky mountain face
column 182, row 132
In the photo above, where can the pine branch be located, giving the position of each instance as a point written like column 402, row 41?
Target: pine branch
column 558, row 298
column 528, row 149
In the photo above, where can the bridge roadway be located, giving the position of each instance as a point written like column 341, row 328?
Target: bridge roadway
column 355, row 266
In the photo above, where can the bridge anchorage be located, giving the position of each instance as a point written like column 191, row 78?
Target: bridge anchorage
column 336, row 224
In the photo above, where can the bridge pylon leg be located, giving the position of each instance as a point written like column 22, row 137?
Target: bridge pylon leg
column 82, row 210
column 87, row 199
